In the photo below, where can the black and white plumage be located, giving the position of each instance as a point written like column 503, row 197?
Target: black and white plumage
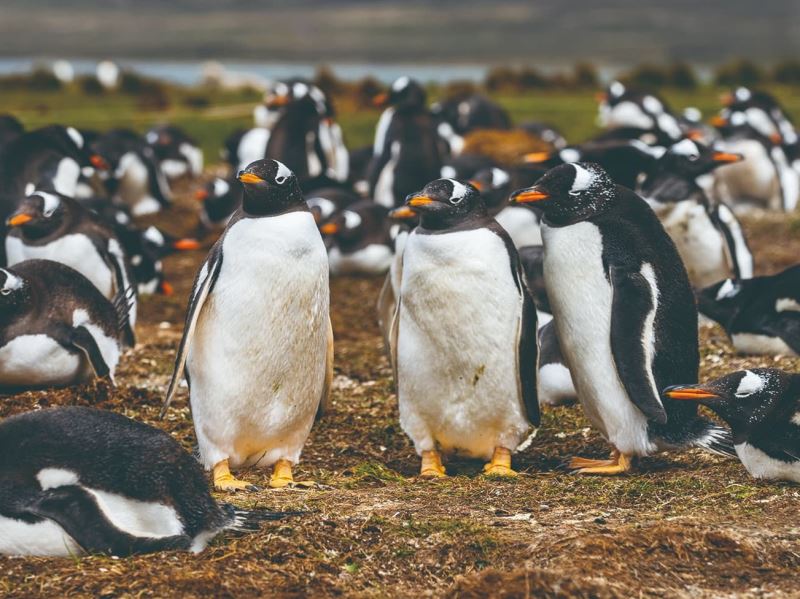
column 628, row 108
column 760, row 315
column 259, row 308
column 709, row 237
column 360, row 239
column 79, row 480
column 56, row 328
column 762, row 407
column 220, row 197
column 470, row 112
column 624, row 313
column 463, row 333
column 554, row 380
column 177, row 153
column 50, row 226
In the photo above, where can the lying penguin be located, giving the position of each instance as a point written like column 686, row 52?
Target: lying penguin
column 98, row 482
column 56, row 328
column 709, row 237
column 361, row 241
column 463, row 334
column 762, row 407
column 760, row 315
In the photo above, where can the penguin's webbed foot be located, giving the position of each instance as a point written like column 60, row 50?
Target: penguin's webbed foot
column 500, row 464
column 281, row 474
column 432, row 465
column 225, row 481
column 619, row 463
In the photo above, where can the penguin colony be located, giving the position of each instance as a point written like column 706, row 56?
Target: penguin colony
column 573, row 276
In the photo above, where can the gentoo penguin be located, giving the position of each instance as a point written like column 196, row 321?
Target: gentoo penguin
column 220, row 197
column 554, row 381
column 624, row 313
column 464, row 334
column 495, row 185
column 326, row 202
column 50, row 226
column 709, row 237
column 546, row 132
column 407, row 151
column 177, row 153
column 87, row 481
column 55, row 328
column 468, row 112
column 361, row 243
column 621, row 107
column 760, row 315
column 762, row 407
column 258, row 345
column 466, row 165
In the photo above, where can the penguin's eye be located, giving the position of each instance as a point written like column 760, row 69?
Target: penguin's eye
column 693, row 157
column 5, row 291
column 280, row 180
column 48, row 213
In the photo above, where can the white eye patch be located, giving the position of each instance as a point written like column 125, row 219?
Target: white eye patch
column 12, row 283
column 326, row 207
column 652, row 104
column 76, row 136
column 616, row 89
column 569, row 155
column 400, row 83
column 727, row 290
column 351, row 219
column 750, row 383
column 283, row 173
column 499, row 177
column 51, row 202
column 299, row 90
column 583, row 179
column 221, row 187
column 686, row 148
column 459, row 191
column 154, row 235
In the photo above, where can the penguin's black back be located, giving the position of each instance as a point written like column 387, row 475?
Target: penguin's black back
column 108, row 452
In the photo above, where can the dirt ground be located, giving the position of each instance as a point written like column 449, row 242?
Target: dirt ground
column 683, row 525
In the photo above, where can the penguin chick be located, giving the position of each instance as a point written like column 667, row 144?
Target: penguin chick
column 91, row 481
column 464, row 334
column 624, row 313
column 762, row 407
column 257, row 347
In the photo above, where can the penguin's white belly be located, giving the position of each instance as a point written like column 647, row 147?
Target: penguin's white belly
column 257, row 361
column 373, row 259
column 253, row 146
column 581, row 298
column 38, row 360
column 753, row 343
column 522, row 225
column 555, row 386
column 760, row 465
column 45, row 538
column 457, row 344
column 76, row 251
column 701, row 246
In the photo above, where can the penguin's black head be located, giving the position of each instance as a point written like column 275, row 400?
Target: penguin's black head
column 363, row 221
column 446, row 203
column 270, row 188
column 569, row 193
column 744, row 398
column 672, row 178
column 406, row 94
column 220, row 197
column 40, row 214
column 14, row 292
column 494, row 184
column 722, row 301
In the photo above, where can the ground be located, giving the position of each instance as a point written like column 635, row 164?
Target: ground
column 688, row 524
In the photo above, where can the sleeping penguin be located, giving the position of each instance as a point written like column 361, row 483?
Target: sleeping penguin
column 760, row 315
column 50, row 226
column 624, row 313
column 56, row 329
column 361, row 243
column 464, row 334
column 762, row 407
column 709, row 237
column 258, row 344
column 79, row 480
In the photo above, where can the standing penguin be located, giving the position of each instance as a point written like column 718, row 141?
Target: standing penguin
column 258, row 345
column 624, row 313
column 762, row 407
column 464, row 334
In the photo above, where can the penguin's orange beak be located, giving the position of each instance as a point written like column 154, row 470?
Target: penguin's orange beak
column 727, row 157
column 402, row 213
column 476, row 184
column 689, row 393
column 719, row 121
column 166, row 288
column 186, row 244
column 417, row 201
column 380, row 100
column 526, row 196
column 277, row 101
column 99, row 162
column 776, row 138
column 201, row 194
column 726, row 98
column 329, row 229
column 250, row 178
column 601, row 96
column 17, row 220
column 695, row 135
column 537, row 157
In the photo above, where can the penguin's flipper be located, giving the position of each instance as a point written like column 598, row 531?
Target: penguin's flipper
column 527, row 353
column 77, row 512
column 82, row 339
column 787, row 328
column 633, row 303
column 203, row 285
column 325, row 401
column 386, row 306
column 737, row 251
column 394, row 326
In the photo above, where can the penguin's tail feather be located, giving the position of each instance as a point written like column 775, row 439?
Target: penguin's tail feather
column 716, row 439
column 246, row 521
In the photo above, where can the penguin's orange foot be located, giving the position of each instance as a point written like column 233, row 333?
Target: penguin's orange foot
column 225, row 481
column 577, row 463
column 432, row 465
column 618, row 464
column 500, row 464
column 281, row 474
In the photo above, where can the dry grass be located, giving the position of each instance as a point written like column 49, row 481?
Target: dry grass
column 684, row 525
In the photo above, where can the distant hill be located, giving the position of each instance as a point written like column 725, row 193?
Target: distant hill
column 549, row 32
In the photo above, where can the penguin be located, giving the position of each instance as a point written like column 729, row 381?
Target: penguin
column 554, row 380
column 466, row 166
column 407, row 152
column 709, row 237
column 532, row 260
column 51, row 226
column 621, row 107
column 760, row 315
column 177, row 153
column 495, row 185
column 762, row 407
column 327, row 202
column 257, row 347
column 56, row 329
column 10, row 129
column 470, row 112
column 83, row 481
column 361, row 240
column 220, row 198
column 546, row 132
column 464, row 334
column 624, row 314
